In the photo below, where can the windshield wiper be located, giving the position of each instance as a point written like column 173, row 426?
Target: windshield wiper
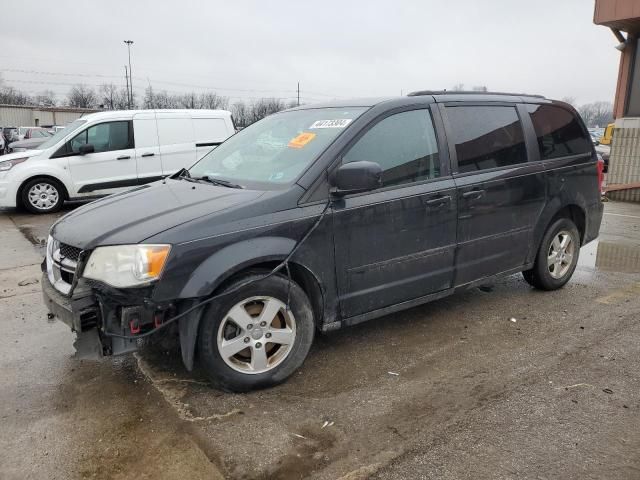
column 219, row 182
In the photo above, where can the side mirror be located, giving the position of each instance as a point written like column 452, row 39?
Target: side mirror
column 86, row 148
column 356, row 177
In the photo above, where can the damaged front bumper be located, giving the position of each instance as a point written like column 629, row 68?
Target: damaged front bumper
column 106, row 321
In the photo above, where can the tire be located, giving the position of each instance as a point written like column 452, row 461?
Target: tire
column 246, row 370
column 42, row 195
column 555, row 264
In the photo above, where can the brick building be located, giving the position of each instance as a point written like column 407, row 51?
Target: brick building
column 623, row 18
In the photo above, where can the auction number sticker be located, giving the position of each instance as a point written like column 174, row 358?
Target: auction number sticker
column 338, row 123
column 301, row 140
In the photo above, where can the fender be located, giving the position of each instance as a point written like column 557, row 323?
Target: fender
column 231, row 259
column 549, row 211
column 215, row 270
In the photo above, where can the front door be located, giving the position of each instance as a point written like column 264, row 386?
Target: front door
column 396, row 243
column 112, row 165
column 500, row 193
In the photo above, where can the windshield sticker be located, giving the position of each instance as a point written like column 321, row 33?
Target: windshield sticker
column 276, row 176
column 301, row 140
column 339, row 123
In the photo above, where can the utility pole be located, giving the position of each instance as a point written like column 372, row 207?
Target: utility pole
column 126, row 78
column 298, row 93
column 129, row 43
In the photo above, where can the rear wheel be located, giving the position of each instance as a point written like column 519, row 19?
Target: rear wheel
column 557, row 256
column 42, row 195
column 250, row 339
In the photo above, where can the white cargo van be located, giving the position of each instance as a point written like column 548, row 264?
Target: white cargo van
column 104, row 152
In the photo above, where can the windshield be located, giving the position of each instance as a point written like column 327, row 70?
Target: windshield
column 73, row 126
column 276, row 149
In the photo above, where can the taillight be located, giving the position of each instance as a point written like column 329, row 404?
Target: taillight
column 600, row 174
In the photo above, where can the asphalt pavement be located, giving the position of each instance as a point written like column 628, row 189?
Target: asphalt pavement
column 498, row 382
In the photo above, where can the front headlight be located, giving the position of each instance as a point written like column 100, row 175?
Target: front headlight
column 127, row 265
column 9, row 164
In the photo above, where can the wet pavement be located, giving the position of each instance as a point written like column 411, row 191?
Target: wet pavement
column 498, row 382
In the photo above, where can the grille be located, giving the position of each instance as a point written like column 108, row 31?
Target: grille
column 67, row 251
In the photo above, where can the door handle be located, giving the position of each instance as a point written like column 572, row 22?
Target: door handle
column 123, row 157
column 438, row 201
column 473, row 194
column 148, row 154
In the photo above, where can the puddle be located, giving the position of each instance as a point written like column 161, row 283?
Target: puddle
column 610, row 257
column 33, row 237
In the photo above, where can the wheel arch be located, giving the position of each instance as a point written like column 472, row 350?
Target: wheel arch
column 573, row 211
column 217, row 271
column 65, row 190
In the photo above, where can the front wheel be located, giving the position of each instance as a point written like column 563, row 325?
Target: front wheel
column 250, row 338
column 557, row 256
column 42, row 195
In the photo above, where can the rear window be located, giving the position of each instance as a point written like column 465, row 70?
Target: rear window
column 486, row 137
column 559, row 132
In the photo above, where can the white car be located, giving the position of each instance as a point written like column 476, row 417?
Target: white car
column 105, row 152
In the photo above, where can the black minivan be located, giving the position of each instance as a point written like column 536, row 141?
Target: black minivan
column 325, row 216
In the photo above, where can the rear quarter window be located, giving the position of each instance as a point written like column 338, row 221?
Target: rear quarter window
column 559, row 132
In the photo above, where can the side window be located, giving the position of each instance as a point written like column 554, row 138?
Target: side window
column 404, row 145
column 105, row 137
column 487, row 137
column 559, row 132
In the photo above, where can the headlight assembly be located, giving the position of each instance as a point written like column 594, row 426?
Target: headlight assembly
column 9, row 164
column 127, row 265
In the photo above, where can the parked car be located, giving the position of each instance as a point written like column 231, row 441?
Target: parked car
column 603, row 151
column 105, row 152
column 24, row 145
column 325, row 216
column 10, row 134
column 36, row 132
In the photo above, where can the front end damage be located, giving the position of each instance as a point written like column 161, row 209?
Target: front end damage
column 106, row 320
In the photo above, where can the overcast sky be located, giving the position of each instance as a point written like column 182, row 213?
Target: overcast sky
column 334, row 48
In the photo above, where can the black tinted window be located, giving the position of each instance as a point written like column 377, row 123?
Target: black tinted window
column 487, row 137
column 559, row 132
column 104, row 137
column 404, row 145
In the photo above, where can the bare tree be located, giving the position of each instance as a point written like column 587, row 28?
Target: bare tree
column 82, row 96
column 188, row 100
column 46, row 98
column 264, row 107
column 480, row 88
column 240, row 114
column 596, row 114
column 213, row 101
column 458, row 87
column 12, row 96
column 570, row 100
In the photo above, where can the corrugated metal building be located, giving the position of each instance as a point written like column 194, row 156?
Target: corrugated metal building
column 23, row 116
column 624, row 161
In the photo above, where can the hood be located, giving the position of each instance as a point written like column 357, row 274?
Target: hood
column 137, row 214
column 13, row 156
column 30, row 143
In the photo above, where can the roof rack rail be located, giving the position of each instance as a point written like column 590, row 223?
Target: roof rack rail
column 468, row 92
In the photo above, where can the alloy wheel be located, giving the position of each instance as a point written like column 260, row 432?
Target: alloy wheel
column 256, row 335
column 560, row 254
